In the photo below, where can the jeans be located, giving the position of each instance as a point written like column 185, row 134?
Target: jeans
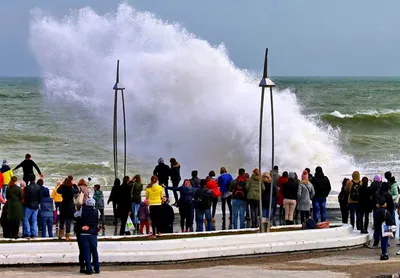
column 224, row 202
column 30, row 230
column 319, row 206
column 354, row 215
column 89, row 247
column 102, row 217
column 238, row 209
column 4, row 191
column 200, row 214
column 80, row 258
column 345, row 212
column 46, row 222
column 290, row 205
column 135, row 210
column 67, row 222
column 254, row 209
column 384, row 241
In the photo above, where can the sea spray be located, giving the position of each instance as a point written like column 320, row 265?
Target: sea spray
column 185, row 98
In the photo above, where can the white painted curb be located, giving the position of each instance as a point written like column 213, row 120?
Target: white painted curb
column 182, row 249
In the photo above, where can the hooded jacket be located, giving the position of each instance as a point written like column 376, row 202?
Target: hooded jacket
column 224, row 181
column 137, row 188
column 162, row 171
column 33, row 196
column 281, row 182
column 305, row 193
column 7, row 174
column 252, row 187
column 154, row 194
column 290, row 189
column 321, row 183
column 46, row 205
column 90, row 217
column 275, row 176
column 176, row 173
column 212, row 185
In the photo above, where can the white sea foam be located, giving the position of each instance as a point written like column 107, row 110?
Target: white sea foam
column 185, row 98
column 368, row 113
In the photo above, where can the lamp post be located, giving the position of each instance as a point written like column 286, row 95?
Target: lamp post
column 265, row 83
column 118, row 87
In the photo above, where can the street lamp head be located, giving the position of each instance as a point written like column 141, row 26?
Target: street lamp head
column 118, row 86
column 266, row 83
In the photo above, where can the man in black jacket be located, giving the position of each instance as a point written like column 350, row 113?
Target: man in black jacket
column 322, row 187
column 162, row 171
column 33, row 197
column 27, row 167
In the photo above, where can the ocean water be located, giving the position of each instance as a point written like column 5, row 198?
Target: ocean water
column 185, row 99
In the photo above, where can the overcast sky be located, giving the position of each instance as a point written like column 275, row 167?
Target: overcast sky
column 305, row 38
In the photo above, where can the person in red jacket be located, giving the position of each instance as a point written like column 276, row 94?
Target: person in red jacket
column 1, row 183
column 212, row 185
column 279, row 199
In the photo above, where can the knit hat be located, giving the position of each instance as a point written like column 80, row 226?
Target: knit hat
column 5, row 162
column 356, row 176
column 292, row 175
column 90, row 202
column 304, row 176
column 378, row 178
column 160, row 160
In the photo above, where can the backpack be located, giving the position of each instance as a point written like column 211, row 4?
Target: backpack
column 354, row 192
column 239, row 191
column 203, row 199
column 309, row 224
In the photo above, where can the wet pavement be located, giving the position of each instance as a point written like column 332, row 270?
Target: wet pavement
column 362, row 262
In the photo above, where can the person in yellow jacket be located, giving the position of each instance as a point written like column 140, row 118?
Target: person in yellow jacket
column 154, row 193
column 57, row 198
column 7, row 174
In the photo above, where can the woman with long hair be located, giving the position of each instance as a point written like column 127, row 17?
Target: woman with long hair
column 82, row 186
column 15, row 207
column 154, row 194
column 175, row 178
column 67, row 209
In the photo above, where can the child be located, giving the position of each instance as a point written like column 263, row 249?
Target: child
column 46, row 214
column 57, row 198
column 99, row 198
column 143, row 215
column 382, row 215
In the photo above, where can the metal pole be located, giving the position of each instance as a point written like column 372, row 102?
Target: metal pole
column 259, row 160
column 273, row 153
column 115, row 128
column 123, row 112
column 115, row 136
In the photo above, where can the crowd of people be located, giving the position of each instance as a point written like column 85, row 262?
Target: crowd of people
column 359, row 197
column 284, row 197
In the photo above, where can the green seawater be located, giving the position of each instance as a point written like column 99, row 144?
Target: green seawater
column 64, row 139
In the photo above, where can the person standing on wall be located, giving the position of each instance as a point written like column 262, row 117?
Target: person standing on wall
column 175, row 178
column 162, row 172
column 27, row 168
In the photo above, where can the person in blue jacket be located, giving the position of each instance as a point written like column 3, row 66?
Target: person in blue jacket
column 224, row 180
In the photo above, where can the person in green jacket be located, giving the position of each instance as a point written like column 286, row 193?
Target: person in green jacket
column 15, row 208
column 253, row 195
column 394, row 192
